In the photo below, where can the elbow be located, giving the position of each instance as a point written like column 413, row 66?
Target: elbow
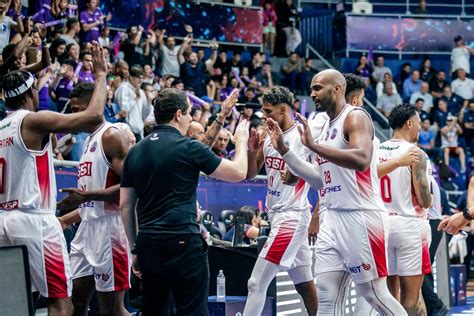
column 239, row 176
column 362, row 166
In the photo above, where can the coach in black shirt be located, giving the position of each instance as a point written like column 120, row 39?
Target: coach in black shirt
column 160, row 177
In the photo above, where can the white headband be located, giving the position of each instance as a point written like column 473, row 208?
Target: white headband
column 21, row 89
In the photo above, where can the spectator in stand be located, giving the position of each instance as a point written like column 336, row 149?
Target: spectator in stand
column 289, row 18
column 150, row 91
column 290, row 72
column 269, row 23
column 57, row 49
column 136, row 49
column 7, row 24
column 222, row 64
column 86, row 75
column 72, row 53
column 411, row 85
column 437, row 84
column 387, row 80
column 449, row 142
column 251, row 226
column 221, row 143
column 463, row 86
column 426, row 71
column 419, row 104
column 73, row 27
column 264, row 76
column 104, row 39
column 201, row 53
column 404, row 74
column 441, row 114
column 62, row 85
column 425, row 95
column 363, row 68
column 460, row 57
column 169, row 54
column 193, row 72
column 112, row 111
column 466, row 118
column 178, row 84
column 369, row 92
column 426, row 141
column 380, row 70
column 256, row 64
column 454, row 101
column 91, row 19
column 148, row 75
column 422, row 8
column 388, row 100
column 235, row 64
column 132, row 100
column 307, row 74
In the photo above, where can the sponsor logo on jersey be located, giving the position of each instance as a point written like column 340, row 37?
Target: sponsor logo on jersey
column 5, row 126
column 334, row 133
column 10, row 205
column 93, row 147
column 336, row 188
column 154, row 136
column 87, row 204
column 85, row 169
column 104, row 276
column 358, row 269
column 274, row 192
column 275, row 163
column 6, row 142
column 387, row 147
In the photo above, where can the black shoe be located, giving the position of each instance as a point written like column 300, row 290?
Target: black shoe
column 443, row 311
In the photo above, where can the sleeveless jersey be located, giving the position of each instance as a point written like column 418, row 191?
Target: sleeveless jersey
column 95, row 173
column 397, row 189
column 27, row 178
column 347, row 189
column 282, row 197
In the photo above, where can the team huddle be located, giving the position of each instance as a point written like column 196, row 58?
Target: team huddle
column 370, row 215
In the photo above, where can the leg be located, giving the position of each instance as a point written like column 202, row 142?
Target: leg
column 376, row 294
column 393, row 283
column 82, row 291
column 265, row 42
column 304, row 284
column 111, row 303
column 262, row 274
column 446, row 156
column 272, row 43
column 409, row 291
column 332, row 292
column 462, row 158
column 60, row 307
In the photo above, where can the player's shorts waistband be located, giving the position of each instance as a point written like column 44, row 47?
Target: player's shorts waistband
column 355, row 210
column 423, row 216
column 288, row 210
column 30, row 211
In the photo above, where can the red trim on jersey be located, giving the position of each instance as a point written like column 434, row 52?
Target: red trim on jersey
column 280, row 243
column 54, row 268
column 364, row 181
column 425, row 257
column 111, row 180
column 120, row 264
column 299, row 189
column 42, row 172
column 377, row 245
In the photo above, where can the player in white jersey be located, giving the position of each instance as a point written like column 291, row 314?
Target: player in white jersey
column 99, row 250
column 287, row 246
column 406, row 194
column 28, row 203
column 346, row 156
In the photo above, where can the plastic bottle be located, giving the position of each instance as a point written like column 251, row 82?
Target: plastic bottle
column 220, row 286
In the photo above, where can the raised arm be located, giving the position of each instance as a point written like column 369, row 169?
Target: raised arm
column 421, row 182
column 184, row 46
column 255, row 154
column 359, row 131
column 42, row 64
column 38, row 125
column 236, row 170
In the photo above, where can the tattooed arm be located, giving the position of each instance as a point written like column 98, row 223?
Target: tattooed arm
column 420, row 181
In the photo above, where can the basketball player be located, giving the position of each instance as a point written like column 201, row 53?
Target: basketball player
column 287, row 246
column 28, row 203
column 351, row 196
column 99, row 250
column 406, row 192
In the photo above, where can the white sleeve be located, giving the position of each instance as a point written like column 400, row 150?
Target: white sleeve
column 303, row 169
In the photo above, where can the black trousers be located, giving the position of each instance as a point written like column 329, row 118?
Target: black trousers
column 176, row 268
column 432, row 301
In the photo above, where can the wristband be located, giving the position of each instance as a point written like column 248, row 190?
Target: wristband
column 465, row 213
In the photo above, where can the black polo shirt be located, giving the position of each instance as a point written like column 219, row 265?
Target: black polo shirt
column 164, row 170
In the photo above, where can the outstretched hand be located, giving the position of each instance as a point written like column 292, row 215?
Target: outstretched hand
column 229, row 103
column 276, row 136
column 98, row 59
column 305, row 132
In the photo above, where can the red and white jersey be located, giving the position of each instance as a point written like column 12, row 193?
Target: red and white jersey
column 282, row 197
column 27, row 178
column 95, row 173
column 397, row 189
column 347, row 189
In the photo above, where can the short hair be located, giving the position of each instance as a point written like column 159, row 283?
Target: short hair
column 70, row 22
column 84, row 53
column 7, row 51
column 470, row 101
column 354, row 85
column 176, row 82
column 400, row 114
column 83, row 92
column 247, row 212
column 136, row 71
column 419, row 99
column 278, row 95
column 12, row 81
column 167, row 103
column 144, row 85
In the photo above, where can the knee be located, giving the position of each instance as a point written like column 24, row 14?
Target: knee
column 252, row 285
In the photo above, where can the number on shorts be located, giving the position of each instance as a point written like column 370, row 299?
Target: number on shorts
column 385, row 189
column 3, row 166
column 327, row 177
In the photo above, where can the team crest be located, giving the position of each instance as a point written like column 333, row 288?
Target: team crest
column 334, row 133
column 93, row 147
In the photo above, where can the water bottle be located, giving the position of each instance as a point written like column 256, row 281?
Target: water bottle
column 221, row 286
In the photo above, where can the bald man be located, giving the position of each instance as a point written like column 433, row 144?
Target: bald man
column 196, row 131
column 355, row 215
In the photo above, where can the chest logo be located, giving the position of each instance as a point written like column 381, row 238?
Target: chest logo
column 93, row 147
